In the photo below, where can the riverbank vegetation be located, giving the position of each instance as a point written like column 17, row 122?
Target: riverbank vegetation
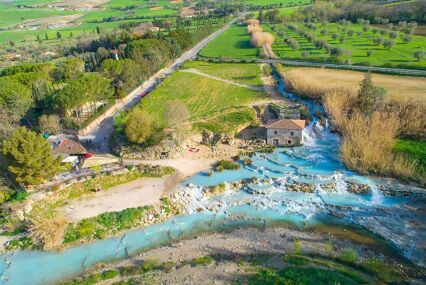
column 341, row 266
column 369, row 124
column 44, row 226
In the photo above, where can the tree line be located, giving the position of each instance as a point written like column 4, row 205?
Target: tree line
column 47, row 97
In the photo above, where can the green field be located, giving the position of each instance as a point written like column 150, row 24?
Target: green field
column 11, row 15
column 233, row 43
column 237, row 72
column 401, row 55
column 206, row 99
column 276, row 2
column 413, row 149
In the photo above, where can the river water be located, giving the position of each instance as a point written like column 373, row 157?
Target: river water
column 316, row 165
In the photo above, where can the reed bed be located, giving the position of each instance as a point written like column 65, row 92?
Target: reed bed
column 367, row 140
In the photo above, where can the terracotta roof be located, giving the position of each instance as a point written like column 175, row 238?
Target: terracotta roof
column 68, row 146
column 286, row 124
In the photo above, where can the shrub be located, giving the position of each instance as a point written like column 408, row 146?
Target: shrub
column 109, row 274
column 168, row 266
column 227, row 164
column 48, row 230
column 219, row 168
column 297, row 247
column 389, row 44
column 206, row 260
column 349, row 255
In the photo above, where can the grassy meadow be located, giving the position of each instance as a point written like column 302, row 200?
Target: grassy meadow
column 212, row 104
column 276, row 2
column 399, row 88
column 401, row 55
column 237, row 72
column 11, row 14
column 413, row 149
column 233, row 43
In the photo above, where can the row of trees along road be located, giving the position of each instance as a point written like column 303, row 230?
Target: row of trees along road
column 47, row 97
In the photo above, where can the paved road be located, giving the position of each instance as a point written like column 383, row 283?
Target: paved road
column 99, row 136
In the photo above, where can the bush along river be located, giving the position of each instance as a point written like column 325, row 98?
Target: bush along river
column 305, row 186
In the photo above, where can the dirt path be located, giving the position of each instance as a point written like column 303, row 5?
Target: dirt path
column 141, row 192
column 195, row 71
column 185, row 166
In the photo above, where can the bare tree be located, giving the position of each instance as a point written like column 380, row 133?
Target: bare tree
column 177, row 117
column 50, row 124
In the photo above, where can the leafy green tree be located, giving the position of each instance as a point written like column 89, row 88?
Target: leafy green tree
column 293, row 44
column 58, row 35
column 14, row 96
column 261, row 16
column 38, row 39
column 69, row 69
column 407, row 38
column 139, row 126
column 29, row 157
column 177, row 117
column 419, row 55
column 378, row 40
column 124, row 74
column 183, row 38
column 46, row 37
column 393, row 35
column 389, row 44
column 83, row 94
column 370, row 97
column 50, row 124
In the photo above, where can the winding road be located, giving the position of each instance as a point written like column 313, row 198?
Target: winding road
column 99, row 136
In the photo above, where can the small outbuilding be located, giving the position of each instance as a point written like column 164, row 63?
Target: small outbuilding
column 285, row 132
column 69, row 148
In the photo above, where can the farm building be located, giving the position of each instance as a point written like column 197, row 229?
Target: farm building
column 69, row 148
column 285, row 132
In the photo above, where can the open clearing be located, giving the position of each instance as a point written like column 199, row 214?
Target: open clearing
column 233, row 43
column 397, row 87
column 208, row 100
column 237, row 72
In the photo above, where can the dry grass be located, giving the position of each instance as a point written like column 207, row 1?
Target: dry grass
column 254, row 29
column 411, row 117
column 338, row 103
column 316, row 82
column 253, row 22
column 259, row 39
column 367, row 145
column 367, row 141
column 48, row 230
